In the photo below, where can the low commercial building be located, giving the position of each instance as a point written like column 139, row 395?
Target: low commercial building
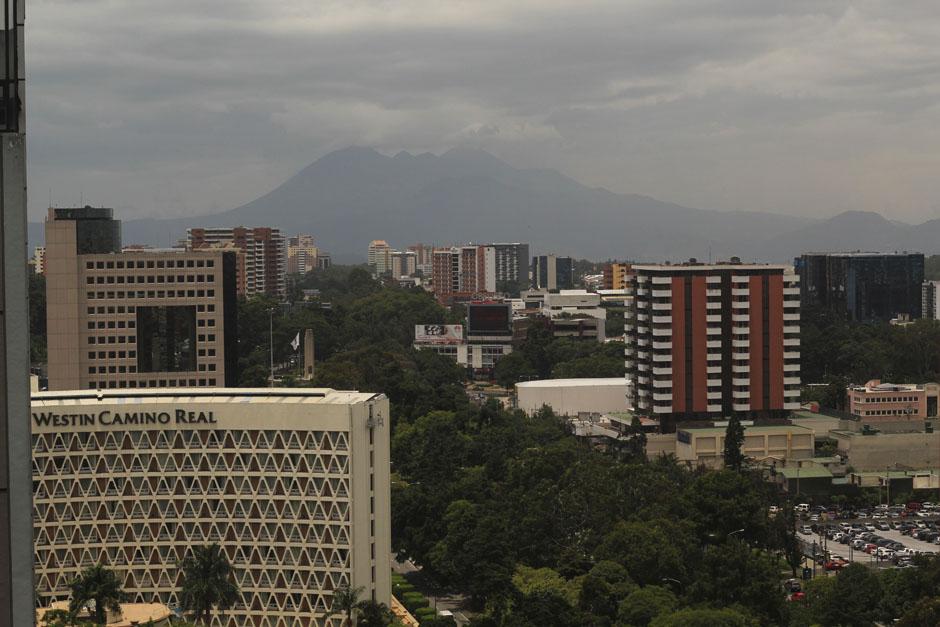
column 892, row 406
column 806, row 480
column 704, row 446
column 877, row 451
column 293, row 485
column 570, row 397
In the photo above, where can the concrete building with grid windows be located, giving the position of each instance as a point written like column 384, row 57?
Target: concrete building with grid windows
column 135, row 318
column 292, row 484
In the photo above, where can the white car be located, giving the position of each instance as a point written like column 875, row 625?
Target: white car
column 905, row 552
column 806, row 530
column 884, row 552
column 802, row 507
column 869, row 527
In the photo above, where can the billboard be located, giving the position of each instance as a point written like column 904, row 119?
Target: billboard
column 439, row 333
column 489, row 318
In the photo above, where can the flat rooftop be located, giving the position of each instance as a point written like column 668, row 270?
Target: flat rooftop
column 700, row 267
column 805, row 472
column 570, row 383
column 756, row 429
column 219, row 395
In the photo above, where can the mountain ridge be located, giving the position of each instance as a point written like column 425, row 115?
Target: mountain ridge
column 353, row 195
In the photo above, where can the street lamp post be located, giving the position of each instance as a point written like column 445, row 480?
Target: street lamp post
column 271, row 341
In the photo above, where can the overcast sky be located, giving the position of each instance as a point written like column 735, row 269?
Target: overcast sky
column 194, row 106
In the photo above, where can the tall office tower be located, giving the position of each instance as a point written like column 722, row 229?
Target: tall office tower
column 302, row 255
column 423, row 257
column 930, row 300
column 380, row 257
column 552, row 273
column 137, row 318
column 709, row 341
column 463, row 272
column 265, row 253
column 16, row 566
column 616, row 275
column 512, row 267
column 404, row 263
column 292, row 485
column 863, row 286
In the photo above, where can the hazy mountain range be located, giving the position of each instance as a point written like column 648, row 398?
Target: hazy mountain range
column 352, row 196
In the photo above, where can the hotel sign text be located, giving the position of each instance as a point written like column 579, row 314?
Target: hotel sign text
column 109, row 418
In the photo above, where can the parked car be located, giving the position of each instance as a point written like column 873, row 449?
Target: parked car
column 883, row 526
column 806, row 530
column 802, row 507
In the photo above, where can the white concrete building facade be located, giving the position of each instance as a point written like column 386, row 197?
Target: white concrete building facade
column 292, row 484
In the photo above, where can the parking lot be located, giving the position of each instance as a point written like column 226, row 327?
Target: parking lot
column 846, row 552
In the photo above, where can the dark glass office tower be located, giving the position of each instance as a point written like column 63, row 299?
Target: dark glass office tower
column 863, row 286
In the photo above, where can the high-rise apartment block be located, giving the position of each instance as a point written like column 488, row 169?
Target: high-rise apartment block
column 423, row 258
column 710, row 341
column 930, row 300
column 302, row 254
column 292, row 485
column 616, row 275
column 265, row 255
column 404, row 263
column 552, row 273
column 863, row 286
column 137, row 318
column 463, row 272
column 380, row 257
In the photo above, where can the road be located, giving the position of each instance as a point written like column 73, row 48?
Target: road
column 450, row 602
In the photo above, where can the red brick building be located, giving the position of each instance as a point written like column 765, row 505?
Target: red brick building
column 709, row 341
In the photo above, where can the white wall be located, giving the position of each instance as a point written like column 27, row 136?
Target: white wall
column 570, row 399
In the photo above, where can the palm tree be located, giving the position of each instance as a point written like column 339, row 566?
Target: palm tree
column 373, row 614
column 96, row 583
column 208, row 581
column 345, row 600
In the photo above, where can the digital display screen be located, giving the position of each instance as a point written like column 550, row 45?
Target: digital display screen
column 484, row 318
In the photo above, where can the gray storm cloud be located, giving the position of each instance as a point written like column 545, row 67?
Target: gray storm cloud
column 194, row 106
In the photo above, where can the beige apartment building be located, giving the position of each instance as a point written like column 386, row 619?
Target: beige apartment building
column 136, row 318
column 302, row 254
column 293, row 485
